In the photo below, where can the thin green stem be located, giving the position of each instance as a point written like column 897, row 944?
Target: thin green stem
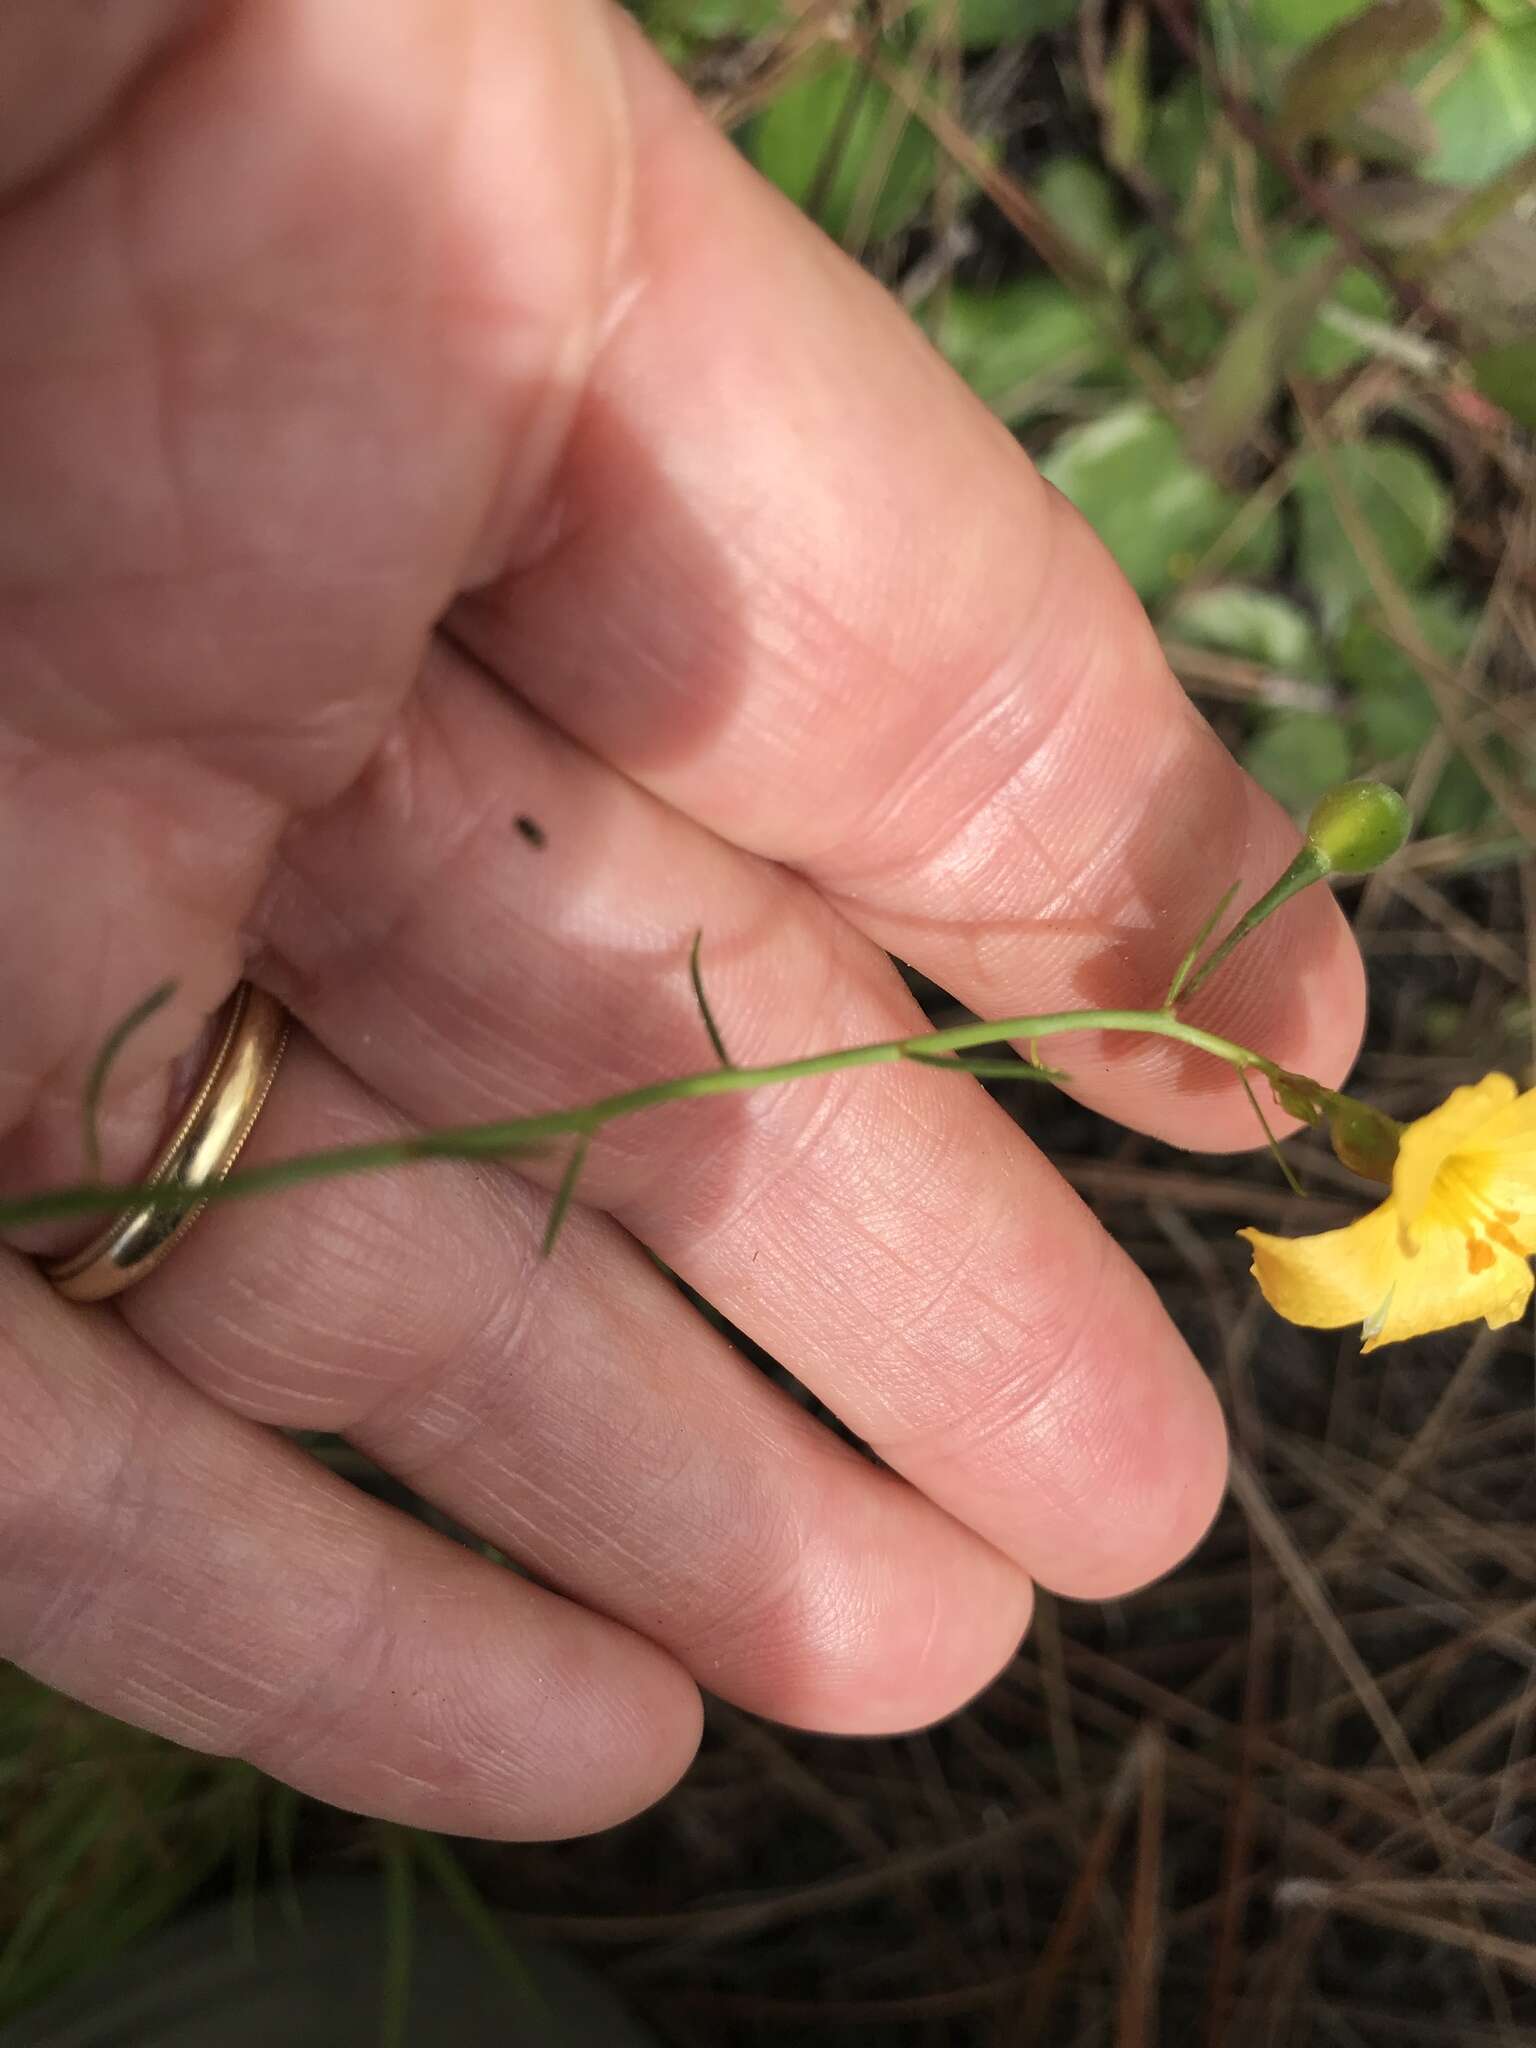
column 521, row 1136
column 1308, row 867
column 1186, row 966
column 1270, row 1139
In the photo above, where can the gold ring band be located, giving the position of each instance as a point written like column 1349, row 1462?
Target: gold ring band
column 202, row 1149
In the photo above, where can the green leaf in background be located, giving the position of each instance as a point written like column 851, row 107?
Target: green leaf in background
column 1335, row 74
column 1507, row 375
column 1328, row 349
column 1082, row 202
column 1484, row 107
column 1019, row 345
column 1154, row 509
column 1188, row 154
column 1298, row 756
column 984, row 23
column 1394, row 714
column 1393, row 711
column 1255, row 625
column 1398, row 498
column 1460, row 802
column 835, row 135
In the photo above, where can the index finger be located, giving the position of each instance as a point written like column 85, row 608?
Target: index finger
column 847, row 626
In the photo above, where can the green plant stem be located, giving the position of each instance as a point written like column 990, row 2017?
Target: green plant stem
column 1308, row 867
column 531, row 1134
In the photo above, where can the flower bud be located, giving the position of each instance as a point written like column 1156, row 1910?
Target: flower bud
column 1357, row 826
column 1363, row 1139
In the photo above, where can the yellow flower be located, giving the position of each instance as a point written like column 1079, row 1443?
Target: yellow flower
column 1450, row 1242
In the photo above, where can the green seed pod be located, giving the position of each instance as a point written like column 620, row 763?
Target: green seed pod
column 1357, row 826
column 1363, row 1139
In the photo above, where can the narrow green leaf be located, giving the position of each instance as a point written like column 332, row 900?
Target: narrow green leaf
column 282, row 1827
column 1125, row 92
column 84, row 1819
column 1182, row 972
column 458, row 1888
column 1270, row 1139
column 103, row 1064
column 399, row 1932
column 1247, row 375
column 1081, row 199
column 565, row 1194
column 703, row 1002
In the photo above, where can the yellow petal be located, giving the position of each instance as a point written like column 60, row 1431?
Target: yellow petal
column 1501, row 1157
column 1341, row 1276
column 1362, row 1275
column 1437, row 1288
column 1426, row 1145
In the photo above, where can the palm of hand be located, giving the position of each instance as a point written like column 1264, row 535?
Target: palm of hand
column 414, row 419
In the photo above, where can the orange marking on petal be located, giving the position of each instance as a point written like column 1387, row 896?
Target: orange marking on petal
column 1479, row 1255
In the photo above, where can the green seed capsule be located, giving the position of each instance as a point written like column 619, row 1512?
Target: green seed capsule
column 1357, row 826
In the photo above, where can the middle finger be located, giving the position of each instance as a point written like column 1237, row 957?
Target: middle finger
column 893, row 1238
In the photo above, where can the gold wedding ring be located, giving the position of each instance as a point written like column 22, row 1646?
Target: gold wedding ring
column 202, row 1149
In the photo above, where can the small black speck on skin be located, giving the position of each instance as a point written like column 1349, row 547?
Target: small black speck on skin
column 531, row 829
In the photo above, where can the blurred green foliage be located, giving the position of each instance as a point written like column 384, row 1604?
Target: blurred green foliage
column 1157, row 511
column 836, row 143
column 1209, row 312
column 105, row 1832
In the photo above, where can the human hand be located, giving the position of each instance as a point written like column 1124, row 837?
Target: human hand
column 413, row 419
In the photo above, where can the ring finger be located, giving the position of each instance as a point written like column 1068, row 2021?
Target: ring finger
column 579, row 1415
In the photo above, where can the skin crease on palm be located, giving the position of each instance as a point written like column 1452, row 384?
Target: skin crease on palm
column 411, row 417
